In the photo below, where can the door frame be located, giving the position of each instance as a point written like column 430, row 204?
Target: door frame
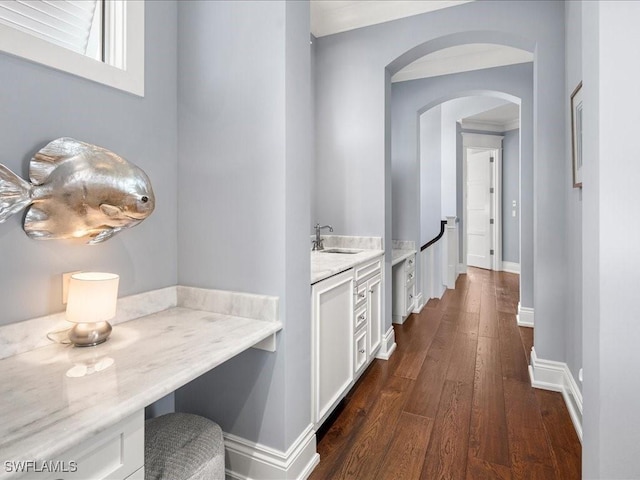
column 479, row 141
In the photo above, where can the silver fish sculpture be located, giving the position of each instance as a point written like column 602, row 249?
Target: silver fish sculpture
column 77, row 191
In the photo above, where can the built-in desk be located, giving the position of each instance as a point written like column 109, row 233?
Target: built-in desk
column 56, row 398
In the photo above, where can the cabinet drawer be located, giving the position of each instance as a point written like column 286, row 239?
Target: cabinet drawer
column 360, row 318
column 411, row 278
column 115, row 453
column 410, row 264
column 367, row 270
column 360, row 350
column 360, row 295
column 409, row 298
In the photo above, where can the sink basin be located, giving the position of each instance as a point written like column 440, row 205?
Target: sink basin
column 349, row 251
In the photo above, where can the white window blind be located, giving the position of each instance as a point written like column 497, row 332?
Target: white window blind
column 66, row 23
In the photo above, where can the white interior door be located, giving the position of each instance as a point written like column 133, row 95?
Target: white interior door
column 478, row 208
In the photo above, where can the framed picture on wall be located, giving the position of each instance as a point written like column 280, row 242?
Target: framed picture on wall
column 576, row 135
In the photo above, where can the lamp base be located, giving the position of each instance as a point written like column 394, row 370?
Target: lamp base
column 89, row 334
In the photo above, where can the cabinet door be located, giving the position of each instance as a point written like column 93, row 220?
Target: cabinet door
column 374, row 285
column 332, row 342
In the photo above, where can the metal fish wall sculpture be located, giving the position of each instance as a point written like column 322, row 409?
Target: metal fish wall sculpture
column 77, row 191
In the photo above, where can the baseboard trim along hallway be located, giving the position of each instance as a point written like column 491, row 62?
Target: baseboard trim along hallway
column 253, row 461
column 524, row 316
column 511, row 267
column 388, row 345
column 556, row 376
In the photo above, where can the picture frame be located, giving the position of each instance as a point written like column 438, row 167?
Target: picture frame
column 576, row 135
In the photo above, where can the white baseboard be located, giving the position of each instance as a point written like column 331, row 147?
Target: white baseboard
column 419, row 303
column 556, row 376
column 511, row 267
column 246, row 460
column 525, row 316
column 388, row 345
column 462, row 269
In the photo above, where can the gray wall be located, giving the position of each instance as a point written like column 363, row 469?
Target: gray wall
column 573, row 235
column 511, row 192
column 244, row 109
column 351, row 122
column 430, row 172
column 40, row 104
column 610, row 239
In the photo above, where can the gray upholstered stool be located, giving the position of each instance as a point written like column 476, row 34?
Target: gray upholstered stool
column 182, row 446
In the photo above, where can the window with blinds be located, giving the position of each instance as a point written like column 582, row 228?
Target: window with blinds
column 102, row 40
column 75, row 25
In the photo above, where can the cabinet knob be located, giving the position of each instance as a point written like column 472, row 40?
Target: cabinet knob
column 361, row 351
column 362, row 317
column 371, row 290
column 362, row 295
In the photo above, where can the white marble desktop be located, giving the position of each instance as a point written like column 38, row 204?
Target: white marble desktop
column 325, row 265
column 48, row 406
column 401, row 250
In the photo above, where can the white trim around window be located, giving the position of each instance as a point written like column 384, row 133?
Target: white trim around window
column 130, row 78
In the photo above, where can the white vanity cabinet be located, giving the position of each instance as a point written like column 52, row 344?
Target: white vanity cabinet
column 346, row 333
column 332, row 342
column 404, row 289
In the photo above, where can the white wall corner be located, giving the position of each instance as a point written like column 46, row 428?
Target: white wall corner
column 388, row 345
column 246, row 460
column 419, row 303
column 556, row 376
column 462, row 269
column 524, row 316
column 510, row 267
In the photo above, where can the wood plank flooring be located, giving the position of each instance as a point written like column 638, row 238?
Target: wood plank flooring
column 454, row 401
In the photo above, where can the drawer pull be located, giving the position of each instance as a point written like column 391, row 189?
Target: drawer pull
column 361, row 351
column 362, row 317
column 410, row 262
column 411, row 296
column 362, row 295
column 371, row 290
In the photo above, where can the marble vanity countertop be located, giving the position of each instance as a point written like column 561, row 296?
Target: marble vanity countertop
column 325, row 265
column 400, row 254
column 55, row 397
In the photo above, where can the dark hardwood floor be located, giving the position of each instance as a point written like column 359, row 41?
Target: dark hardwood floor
column 455, row 400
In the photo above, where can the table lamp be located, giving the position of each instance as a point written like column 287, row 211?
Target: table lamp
column 90, row 304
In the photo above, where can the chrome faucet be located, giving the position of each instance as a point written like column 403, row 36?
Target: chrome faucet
column 317, row 243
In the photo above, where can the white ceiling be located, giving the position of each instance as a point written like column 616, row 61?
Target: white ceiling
column 499, row 119
column 335, row 16
column 463, row 58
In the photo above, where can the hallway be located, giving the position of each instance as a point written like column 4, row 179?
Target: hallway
column 455, row 400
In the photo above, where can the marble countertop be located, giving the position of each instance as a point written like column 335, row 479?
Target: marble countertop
column 55, row 397
column 325, row 265
column 400, row 254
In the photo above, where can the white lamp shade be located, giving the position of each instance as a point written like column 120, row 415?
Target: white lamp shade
column 92, row 297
